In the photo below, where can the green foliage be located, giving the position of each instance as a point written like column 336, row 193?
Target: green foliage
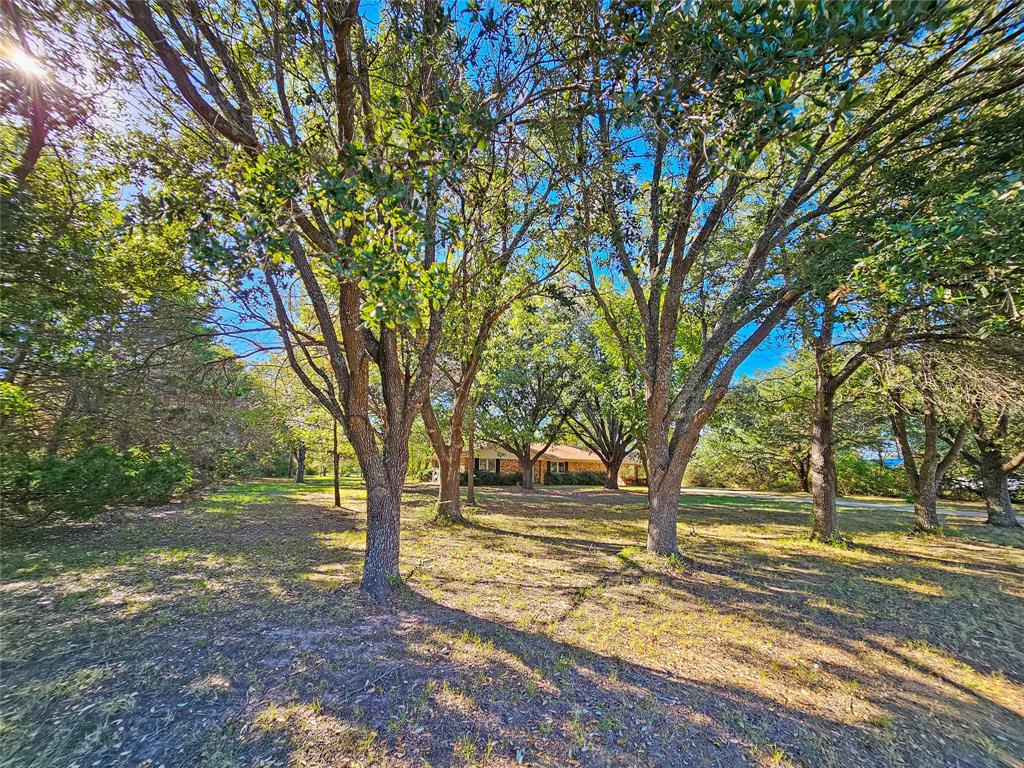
column 760, row 436
column 483, row 477
column 106, row 341
column 529, row 378
column 574, row 478
column 754, row 72
column 14, row 401
column 860, row 476
column 81, row 485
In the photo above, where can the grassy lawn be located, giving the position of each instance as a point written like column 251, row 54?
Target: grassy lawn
column 230, row 632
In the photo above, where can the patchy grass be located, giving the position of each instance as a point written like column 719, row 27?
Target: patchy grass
column 230, row 632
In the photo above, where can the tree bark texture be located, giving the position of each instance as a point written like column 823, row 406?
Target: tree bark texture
column 997, row 493
column 336, row 460
column 993, row 466
column 611, row 470
column 383, row 516
column 825, row 524
column 300, row 464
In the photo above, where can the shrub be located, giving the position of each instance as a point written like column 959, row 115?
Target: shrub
column 81, row 485
column 155, row 477
column 711, row 468
column 591, row 477
column 483, row 477
column 859, row 476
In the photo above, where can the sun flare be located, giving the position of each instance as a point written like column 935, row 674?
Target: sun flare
column 24, row 62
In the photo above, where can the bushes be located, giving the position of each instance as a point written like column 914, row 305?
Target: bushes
column 81, row 485
column 592, row 477
column 483, row 477
column 709, row 470
column 859, row 476
column 239, row 462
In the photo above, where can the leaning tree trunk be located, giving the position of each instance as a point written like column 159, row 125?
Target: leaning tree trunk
column 997, row 489
column 300, row 461
column 611, row 473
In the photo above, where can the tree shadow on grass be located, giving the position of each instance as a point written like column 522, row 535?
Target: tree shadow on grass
column 207, row 638
column 450, row 687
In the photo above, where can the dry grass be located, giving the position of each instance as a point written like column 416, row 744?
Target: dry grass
column 229, row 632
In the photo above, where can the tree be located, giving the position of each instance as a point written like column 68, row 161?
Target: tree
column 605, row 419
column 914, row 391
column 505, row 210
column 712, row 136
column 995, row 390
column 995, row 461
column 527, row 392
column 108, row 355
column 843, row 331
column 924, row 250
column 760, row 437
column 333, row 149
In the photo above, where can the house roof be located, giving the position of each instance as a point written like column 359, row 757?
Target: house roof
column 559, row 452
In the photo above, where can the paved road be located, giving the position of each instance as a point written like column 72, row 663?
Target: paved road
column 944, row 508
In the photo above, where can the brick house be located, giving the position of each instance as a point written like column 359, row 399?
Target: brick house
column 557, row 458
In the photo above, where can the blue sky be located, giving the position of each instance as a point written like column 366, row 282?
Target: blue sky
column 767, row 356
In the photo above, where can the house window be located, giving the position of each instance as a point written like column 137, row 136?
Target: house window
column 558, row 467
column 487, row 465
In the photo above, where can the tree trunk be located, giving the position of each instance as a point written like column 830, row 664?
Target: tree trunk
column 996, row 489
column 926, row 487
column 449, row 456
column 825, row 525
column 470, row 486
column 383, row 520
column 449, row 507
column 803, row 473
column 611, row 476
column 926, row 476
column 300, row 460
column 663, row 490
column 663, row 498
column 665, row 470
column 336, row 460
column 527, row 466
column 926, row 515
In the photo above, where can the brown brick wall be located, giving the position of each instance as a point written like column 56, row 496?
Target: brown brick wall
column 512, row 467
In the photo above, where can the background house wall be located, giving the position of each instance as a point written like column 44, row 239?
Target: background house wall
column 509, row 464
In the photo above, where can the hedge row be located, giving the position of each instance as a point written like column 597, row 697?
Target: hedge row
column 483, row 477
column 590, row 477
